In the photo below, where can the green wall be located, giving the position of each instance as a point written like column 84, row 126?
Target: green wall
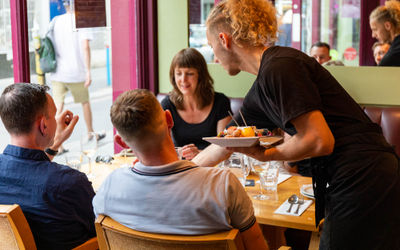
column 367, row 85
column 172, row 36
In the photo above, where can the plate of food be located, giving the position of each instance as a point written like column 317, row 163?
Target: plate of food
column 243, row 137
column 307, row 190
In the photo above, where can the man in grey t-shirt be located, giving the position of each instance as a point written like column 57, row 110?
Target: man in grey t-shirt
column 162, row 194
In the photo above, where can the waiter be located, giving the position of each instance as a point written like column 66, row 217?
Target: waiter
column 355, row 171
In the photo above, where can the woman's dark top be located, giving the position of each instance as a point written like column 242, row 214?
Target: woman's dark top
column 184, row 133
column 392, row 57
column 361, row 201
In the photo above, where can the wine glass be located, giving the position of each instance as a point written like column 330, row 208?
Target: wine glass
column 261, row 169
column 246, row 168
column 89, row 148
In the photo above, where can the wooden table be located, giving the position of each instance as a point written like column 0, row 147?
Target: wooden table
column 102, row 170
column 264, row 209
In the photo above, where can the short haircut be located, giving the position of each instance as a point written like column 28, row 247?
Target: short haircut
column 191, row 58
column 390, row 12
column 321, row 44
column 135, row 115
column 251, row 22
column 376, row 44
column 21, row 104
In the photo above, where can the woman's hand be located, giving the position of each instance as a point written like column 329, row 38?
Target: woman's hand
column 189, row 151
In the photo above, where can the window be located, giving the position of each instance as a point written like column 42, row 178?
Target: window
column 198, row 12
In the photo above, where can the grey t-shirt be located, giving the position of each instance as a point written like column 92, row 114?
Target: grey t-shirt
column 177, row 198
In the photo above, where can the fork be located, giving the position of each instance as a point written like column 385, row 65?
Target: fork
column 299, row 202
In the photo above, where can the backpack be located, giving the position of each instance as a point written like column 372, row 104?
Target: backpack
column 46, row 52
column 47, row 55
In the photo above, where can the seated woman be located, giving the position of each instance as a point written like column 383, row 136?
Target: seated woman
column 198, row 111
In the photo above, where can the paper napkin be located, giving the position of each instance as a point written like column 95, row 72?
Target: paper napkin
column 285, row 206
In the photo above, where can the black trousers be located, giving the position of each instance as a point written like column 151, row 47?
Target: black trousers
column 363, row 202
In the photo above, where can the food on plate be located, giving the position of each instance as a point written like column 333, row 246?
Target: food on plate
column 249, row 131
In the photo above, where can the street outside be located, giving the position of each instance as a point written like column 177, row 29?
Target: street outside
column 100, row 100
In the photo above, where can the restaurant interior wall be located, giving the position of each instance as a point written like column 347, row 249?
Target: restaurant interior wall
column 367, row 85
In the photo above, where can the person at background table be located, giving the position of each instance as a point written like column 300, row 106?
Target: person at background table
column 184, row 198
column 385, row 25
column 293, row 92
column 321, row 52
column 379, row 49
column 197, row 110
column 55, row 199
column 73, row 71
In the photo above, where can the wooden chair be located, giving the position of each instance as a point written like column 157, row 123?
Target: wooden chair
column 16, row 234
column 112, row 235
column 15, row 231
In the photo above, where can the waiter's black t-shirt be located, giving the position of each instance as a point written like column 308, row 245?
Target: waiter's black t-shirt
column 290, row 83
column 184, row 133
column 392, row 57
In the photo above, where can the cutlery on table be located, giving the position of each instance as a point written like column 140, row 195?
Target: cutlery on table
column 299, row 202
column 292, row 200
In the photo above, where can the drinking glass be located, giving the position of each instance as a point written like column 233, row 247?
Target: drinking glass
column 74, row 160
column 246, row 168
column 269, row 178
column 89, row 148
column 236, row 165
column 260, row 168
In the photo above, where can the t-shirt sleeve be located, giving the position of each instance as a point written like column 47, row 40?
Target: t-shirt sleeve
column 293, row 91
column 240, row 209
column 223, row 106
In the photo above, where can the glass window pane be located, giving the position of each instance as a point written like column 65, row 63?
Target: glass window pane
column 338, row 25
column 100, row 90
column 198, row 12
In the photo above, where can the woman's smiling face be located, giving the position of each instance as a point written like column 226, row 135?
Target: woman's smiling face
column 186, row 80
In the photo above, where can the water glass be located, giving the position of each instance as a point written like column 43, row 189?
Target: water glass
column 260, row 168
column 89, row 148
column 74, row 160
column 269, row 178
column 179, row 152
column 236, row 165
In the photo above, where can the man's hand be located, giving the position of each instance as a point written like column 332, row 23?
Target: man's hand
column 65, row 125
column 88, row 80
column 189, row 151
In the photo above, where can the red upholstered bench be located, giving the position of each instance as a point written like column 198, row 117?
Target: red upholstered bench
column 387, row 117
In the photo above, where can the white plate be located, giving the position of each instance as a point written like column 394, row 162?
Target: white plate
column 242, row 141
column 307, row 190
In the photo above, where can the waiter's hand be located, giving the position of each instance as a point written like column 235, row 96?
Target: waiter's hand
column 189, row 151
column 257, row 152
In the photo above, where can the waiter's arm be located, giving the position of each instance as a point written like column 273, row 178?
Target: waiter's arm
column 211, row 156
column 314, row 138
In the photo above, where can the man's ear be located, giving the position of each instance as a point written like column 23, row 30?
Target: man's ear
column 169, row 119
column 118, row 139
column 388, row 25
column 42, row 125
column 225, row 40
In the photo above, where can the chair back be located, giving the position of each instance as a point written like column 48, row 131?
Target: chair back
column 14, row 229
column 112, row 235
